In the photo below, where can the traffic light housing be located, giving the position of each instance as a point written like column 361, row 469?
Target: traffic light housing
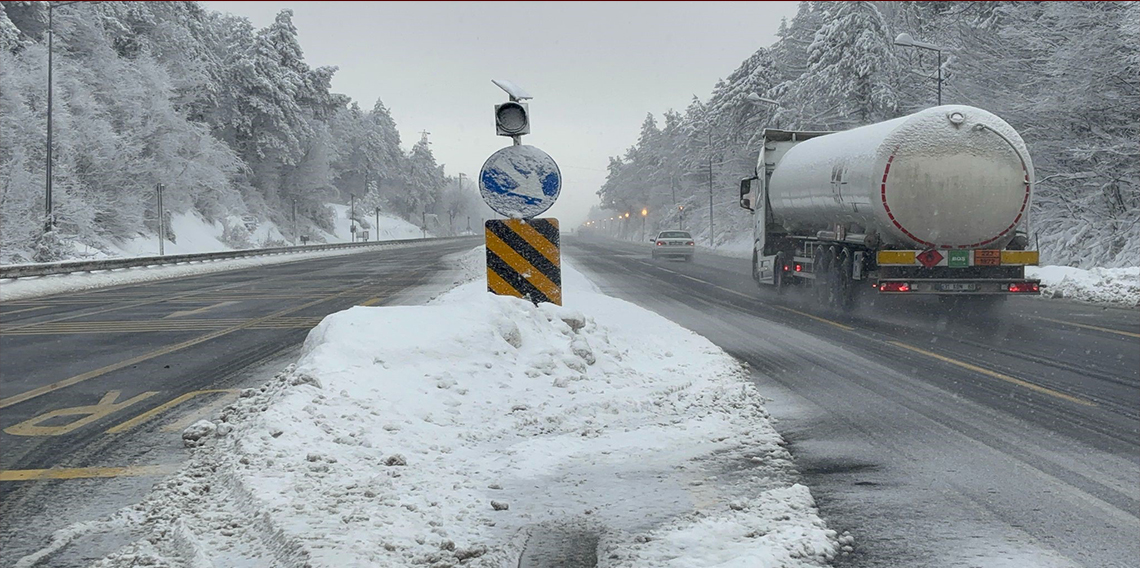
column 512, row 119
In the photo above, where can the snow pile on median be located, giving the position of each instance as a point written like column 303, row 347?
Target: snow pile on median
column 1100, row 285
column 478, row 428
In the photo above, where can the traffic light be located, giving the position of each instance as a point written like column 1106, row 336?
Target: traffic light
column 512, row 119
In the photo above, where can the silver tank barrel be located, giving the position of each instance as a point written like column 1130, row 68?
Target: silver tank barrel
column 951, row 176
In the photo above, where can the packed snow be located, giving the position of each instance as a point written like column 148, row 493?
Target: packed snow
column 480, row 428
column 1099, row 285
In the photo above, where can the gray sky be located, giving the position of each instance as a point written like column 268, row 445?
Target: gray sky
column 595, row 69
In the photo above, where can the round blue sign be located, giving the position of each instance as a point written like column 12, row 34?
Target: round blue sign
column 520, row 181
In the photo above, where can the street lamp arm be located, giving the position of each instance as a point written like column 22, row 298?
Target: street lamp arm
column 904, row 39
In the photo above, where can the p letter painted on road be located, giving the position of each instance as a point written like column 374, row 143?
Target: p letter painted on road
column 523, row 259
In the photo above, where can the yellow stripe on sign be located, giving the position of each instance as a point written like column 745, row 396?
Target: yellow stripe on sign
column 896, row 257
column 996, row 375
column 83, row 472
column 536, row 240
column 524, row 268
column 1019, row 257
column 500, row 286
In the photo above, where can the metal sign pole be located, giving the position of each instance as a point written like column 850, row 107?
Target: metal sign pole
column 161, row 222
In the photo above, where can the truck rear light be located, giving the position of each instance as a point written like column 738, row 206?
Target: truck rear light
column 799, row 267
column 1017, row 287
column 894, row 287
column 787, row 268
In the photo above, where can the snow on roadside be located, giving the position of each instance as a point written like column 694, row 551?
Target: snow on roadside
column 35, row 286
column 461, row 432
column 1099, row 285
column 391, row 227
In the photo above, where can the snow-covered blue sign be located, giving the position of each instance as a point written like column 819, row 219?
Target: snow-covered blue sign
column 520, row 182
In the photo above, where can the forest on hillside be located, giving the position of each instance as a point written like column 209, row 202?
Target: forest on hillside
column 231, row 119
column 1066, row 75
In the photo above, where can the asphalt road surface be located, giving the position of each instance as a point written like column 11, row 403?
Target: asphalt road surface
column 937, row 436
column 96, row 386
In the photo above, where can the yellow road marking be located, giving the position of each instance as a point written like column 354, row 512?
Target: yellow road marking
column 182, row 313
column 83, row 472
column 164, row 407
column 1086, row 326
column 371, row 301
column 90, row 413
column 996, row 375
column 40, row 391
column 816, row 318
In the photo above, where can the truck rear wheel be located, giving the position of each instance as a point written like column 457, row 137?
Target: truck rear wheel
column 841, row 280
column 821, row 269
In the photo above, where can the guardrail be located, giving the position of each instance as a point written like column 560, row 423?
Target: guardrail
column 69, row 266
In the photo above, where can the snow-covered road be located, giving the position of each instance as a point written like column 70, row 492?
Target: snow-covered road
column 479, row 429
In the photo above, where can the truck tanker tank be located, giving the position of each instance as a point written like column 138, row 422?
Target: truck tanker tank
column 947, row 177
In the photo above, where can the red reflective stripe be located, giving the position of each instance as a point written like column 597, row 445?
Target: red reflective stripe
column 1020, row 213
column 887, row 171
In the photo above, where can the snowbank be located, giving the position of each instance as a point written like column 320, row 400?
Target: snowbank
column 1101, row 285
column 469, row 430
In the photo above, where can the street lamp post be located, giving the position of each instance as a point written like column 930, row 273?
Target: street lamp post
column 905, row 40
column 644, row 214
column 352, row 216
column 712, row 243
column 49, row 219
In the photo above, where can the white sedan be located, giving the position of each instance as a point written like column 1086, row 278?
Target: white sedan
column 678, row 244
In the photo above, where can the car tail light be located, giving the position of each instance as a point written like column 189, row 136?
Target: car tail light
column 691, row 243
column 894, row 287
column 1024, row 287
column 659, row 243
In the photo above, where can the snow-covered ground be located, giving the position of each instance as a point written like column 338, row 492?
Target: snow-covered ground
column 194, row 234
column 1100, row 285
column 391, row 227
column 464, row 432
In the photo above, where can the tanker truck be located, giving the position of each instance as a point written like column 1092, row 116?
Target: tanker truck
column 934, row 203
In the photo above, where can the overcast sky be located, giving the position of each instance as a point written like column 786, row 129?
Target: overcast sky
column 595, row 69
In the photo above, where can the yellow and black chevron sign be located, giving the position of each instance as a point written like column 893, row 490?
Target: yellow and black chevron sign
column 523, row 259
